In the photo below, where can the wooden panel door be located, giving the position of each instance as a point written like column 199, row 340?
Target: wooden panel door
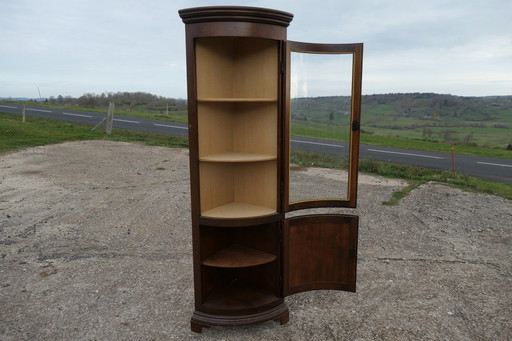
column 320, row 252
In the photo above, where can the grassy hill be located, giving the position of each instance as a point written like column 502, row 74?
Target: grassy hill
column 465, row 121
column 426, row 121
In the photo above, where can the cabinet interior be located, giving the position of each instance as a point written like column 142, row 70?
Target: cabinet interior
column 238, row 190
column 229, row 67
column 240, row 268
column 237, row 114
column 237, row 131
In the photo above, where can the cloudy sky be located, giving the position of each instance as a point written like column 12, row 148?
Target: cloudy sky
column 62, row 47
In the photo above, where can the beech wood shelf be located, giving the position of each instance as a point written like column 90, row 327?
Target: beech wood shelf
column 235, row 210
column 237, row 157
column 238, row 99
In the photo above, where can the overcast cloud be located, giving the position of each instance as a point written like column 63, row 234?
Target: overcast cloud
column 461, row 47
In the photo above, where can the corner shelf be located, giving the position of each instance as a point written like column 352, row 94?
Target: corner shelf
column 239, row 256
column 237, row 157
column 236, row 210
column 237, row 99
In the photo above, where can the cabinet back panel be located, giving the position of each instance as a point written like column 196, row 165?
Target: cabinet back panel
column 256, row 128
column 236, row 67
column 261, row 237
column 237, row 127
column 216, row 184
column 214, row 64
column 256, row 183
column 256, row 68
column 252, row 183
column 215, row 126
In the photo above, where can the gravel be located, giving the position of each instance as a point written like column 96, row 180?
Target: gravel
column 95, row 244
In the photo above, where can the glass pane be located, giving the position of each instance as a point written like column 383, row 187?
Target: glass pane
column 320, row 94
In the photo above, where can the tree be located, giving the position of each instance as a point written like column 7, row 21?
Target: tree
column 88, row 100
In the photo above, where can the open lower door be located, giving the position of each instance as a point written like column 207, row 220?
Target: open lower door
column 320, row 252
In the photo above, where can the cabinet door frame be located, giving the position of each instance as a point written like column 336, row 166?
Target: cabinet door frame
column 356, row 50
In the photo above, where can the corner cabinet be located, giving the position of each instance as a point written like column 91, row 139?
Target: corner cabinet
column 248, row 254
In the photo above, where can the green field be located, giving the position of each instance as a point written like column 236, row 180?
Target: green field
column 474, row 125
column 15, row 135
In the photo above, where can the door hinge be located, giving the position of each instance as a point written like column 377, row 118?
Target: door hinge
column 355, row 125
column 352, row 253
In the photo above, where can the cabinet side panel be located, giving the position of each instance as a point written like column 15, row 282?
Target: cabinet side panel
column 215, row 125
column 216, row 185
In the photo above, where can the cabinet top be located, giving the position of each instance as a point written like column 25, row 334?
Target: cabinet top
column 235, row 13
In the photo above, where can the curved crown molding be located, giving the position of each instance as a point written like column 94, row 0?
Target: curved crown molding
column 235, row 13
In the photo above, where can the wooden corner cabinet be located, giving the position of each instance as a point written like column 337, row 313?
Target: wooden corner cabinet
column 244, row 97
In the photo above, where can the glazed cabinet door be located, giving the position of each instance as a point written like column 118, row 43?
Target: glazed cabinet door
column 321, row 124
column 320, row 252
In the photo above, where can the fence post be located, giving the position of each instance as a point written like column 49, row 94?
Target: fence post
column 110, row 117
column 453, row 162
column 23, row 113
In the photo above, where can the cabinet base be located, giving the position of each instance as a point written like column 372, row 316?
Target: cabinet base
column 202, row 320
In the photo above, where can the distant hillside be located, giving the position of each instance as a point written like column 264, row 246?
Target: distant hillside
column 482, row 121
column 429, row 106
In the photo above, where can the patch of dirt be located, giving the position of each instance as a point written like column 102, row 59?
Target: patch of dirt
column 95, row 244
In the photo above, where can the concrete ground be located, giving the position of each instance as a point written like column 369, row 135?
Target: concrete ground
column 95, row 244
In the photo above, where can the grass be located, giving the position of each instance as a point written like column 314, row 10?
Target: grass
column 15, row 135
column 401, row 193
column 373, row 131
column 179, row 116
column 417, row 176
column 414, row 175
column 337, row 133
column 302, row 159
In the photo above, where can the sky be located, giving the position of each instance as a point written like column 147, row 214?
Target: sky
column 68, row 48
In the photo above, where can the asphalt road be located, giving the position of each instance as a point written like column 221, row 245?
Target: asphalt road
column 483, row 167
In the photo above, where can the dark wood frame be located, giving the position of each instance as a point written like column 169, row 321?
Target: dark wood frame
column 244, row 267
column 357, row 66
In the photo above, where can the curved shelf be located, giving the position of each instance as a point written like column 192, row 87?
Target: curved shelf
column 240, row 222
column 239, row 256
column 238, row 99
column 237, row 157
column 234, row 210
